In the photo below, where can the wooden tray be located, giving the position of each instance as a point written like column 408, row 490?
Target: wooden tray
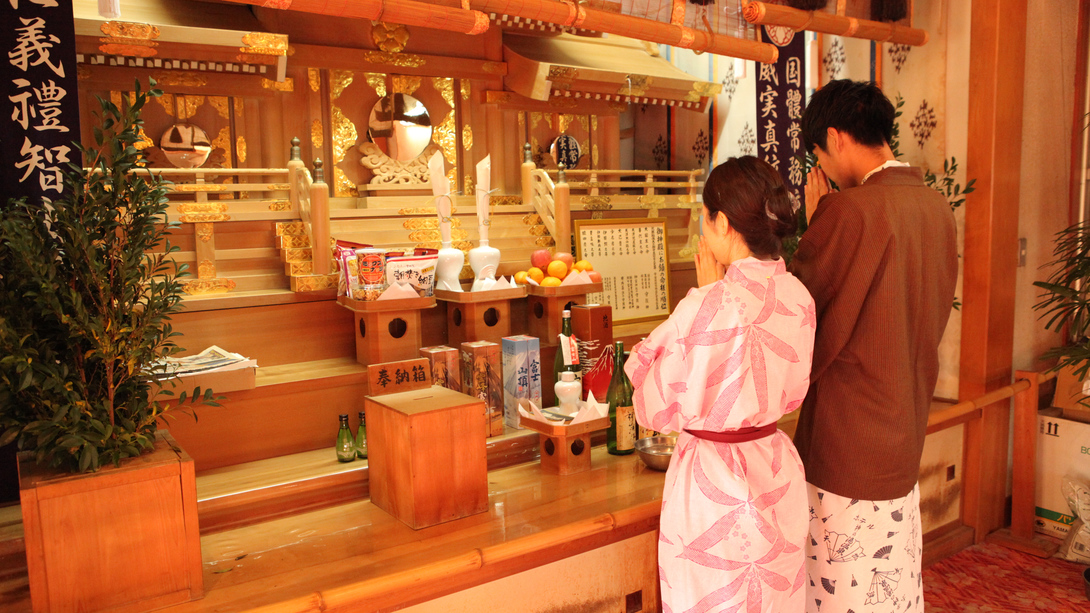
column 564, row 290
column 485, row 296
column 376, row 306
column 549, row 429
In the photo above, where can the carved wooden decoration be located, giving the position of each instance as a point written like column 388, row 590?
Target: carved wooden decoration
column 389, row 171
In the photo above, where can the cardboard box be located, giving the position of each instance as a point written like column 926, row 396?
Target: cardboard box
column 1063, row 449
column 592, row 325
column 426, row 461
column 482, row 377
column 521, row 375
column 1070, row 392
column 446, row 366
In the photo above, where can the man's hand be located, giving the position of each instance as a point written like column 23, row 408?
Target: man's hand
column 817, row 185
column 708, row 269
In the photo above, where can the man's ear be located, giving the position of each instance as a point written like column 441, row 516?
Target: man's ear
column 834, row 140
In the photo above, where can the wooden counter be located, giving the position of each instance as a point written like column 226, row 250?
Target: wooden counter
column 356, row 557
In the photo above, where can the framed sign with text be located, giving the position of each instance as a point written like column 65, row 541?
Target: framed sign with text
column 632, row 258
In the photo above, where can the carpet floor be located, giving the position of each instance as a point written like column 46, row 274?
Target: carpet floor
column 990, row 578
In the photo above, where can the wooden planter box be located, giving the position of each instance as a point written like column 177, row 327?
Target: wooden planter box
column 122, row 539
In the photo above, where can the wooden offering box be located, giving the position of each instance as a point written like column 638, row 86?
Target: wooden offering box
column 122, row 539
column 546, row 304
column 426, row 458
column 565, row 450
column 479, row 316
column 387, row 330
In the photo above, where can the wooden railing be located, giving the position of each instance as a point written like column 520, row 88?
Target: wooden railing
column 554, row 192
column 1025, row 391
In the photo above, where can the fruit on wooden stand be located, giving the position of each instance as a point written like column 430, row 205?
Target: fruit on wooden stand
column 583, row 265
column 520, row 277
column 550, row 282
column 541, row 258
column 558, row 269
column 536, row 274
column 595, row 276
column 565, row 257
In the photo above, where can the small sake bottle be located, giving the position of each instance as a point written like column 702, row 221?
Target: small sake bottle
column 568, row 391
column 361, row 438
column 346, row 447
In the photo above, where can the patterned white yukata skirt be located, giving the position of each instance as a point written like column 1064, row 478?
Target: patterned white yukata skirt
column 864, row 556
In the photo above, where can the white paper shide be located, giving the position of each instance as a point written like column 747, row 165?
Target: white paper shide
column 483, row 259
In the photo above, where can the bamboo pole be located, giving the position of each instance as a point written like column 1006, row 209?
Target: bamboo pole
column 407, row 12
column 574, row 15
column 819, row 21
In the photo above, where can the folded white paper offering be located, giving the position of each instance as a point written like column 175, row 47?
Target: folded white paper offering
column 398, row 291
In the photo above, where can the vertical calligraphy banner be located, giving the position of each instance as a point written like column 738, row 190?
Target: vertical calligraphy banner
column 779, row 109
column 39, row 107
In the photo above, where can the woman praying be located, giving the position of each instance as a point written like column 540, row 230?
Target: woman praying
column 732, row 359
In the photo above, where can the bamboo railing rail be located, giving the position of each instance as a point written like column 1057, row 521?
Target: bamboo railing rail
column 763, row 13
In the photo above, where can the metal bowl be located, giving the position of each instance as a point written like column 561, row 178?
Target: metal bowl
column 655, row 451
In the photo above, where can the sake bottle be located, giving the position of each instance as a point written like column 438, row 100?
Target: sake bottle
column 621, row 436
column 346, row 447
column 567, row 354
column 361, row 438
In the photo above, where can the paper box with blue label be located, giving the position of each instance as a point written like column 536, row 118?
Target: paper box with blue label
column 1063, row 450
column 521, row 375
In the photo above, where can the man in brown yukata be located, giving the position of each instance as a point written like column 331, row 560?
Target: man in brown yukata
column 880, row 259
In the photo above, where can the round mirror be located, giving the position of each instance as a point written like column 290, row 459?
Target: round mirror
column 400, row 126
column 565, row 150
column 185, row 145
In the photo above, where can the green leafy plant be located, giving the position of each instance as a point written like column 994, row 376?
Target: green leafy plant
column 1065, row 301
column 87, row 286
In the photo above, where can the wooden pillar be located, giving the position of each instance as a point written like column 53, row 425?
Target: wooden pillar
column 996, row 67
column 321, row 252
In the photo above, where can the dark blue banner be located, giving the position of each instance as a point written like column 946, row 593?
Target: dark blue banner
column 39, row 107
column 780, row 88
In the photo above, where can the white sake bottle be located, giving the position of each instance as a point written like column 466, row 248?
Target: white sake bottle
column 449, row 267
column 483, row 259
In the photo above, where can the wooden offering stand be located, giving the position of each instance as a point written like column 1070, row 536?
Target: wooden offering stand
column 545, row 305
column 565, row 450
column 479, row 316
column 387, row 330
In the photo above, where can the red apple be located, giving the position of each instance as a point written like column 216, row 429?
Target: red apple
column 595, row 276
column 565, row 257
column 541, row 258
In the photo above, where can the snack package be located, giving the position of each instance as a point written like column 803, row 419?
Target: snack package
column 1076, row 547
column 416, row 270
column 344, row 254
column 372, row 274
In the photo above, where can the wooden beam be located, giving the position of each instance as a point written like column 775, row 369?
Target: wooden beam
column 1080, row 132
column 996, row 69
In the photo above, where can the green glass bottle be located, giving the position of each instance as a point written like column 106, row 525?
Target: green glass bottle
column 361, row 437
column 346, row 447
column 567, row 345
column 621, row 436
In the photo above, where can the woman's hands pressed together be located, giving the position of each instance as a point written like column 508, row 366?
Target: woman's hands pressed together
column 708, row 269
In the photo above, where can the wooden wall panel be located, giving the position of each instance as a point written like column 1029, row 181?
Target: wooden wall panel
column 273, row 335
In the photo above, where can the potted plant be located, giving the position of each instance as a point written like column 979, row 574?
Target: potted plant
column 1064, row 304
column 87, row 287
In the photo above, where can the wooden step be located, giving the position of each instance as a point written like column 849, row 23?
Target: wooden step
column 11, row 530
column 313, row 283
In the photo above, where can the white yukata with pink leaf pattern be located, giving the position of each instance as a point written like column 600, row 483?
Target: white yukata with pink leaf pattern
column 734, row 354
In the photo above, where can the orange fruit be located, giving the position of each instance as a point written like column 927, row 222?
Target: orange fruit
column 558, row 269
column 583, row 265
column 536, row 274
column 520, row 277
column 550, row 282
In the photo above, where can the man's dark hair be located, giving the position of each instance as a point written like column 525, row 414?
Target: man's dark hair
column 856, row 108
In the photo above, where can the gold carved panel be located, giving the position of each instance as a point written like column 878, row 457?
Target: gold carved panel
column 401, row 60
column 389, row 37
column 404, row 84
column 265, row 43
column 287, row 85
column 377, row 81
column 317, row 136
column 314, row 78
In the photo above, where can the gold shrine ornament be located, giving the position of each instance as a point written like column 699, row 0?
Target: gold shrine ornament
column 389, row 37
column 129, row 39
